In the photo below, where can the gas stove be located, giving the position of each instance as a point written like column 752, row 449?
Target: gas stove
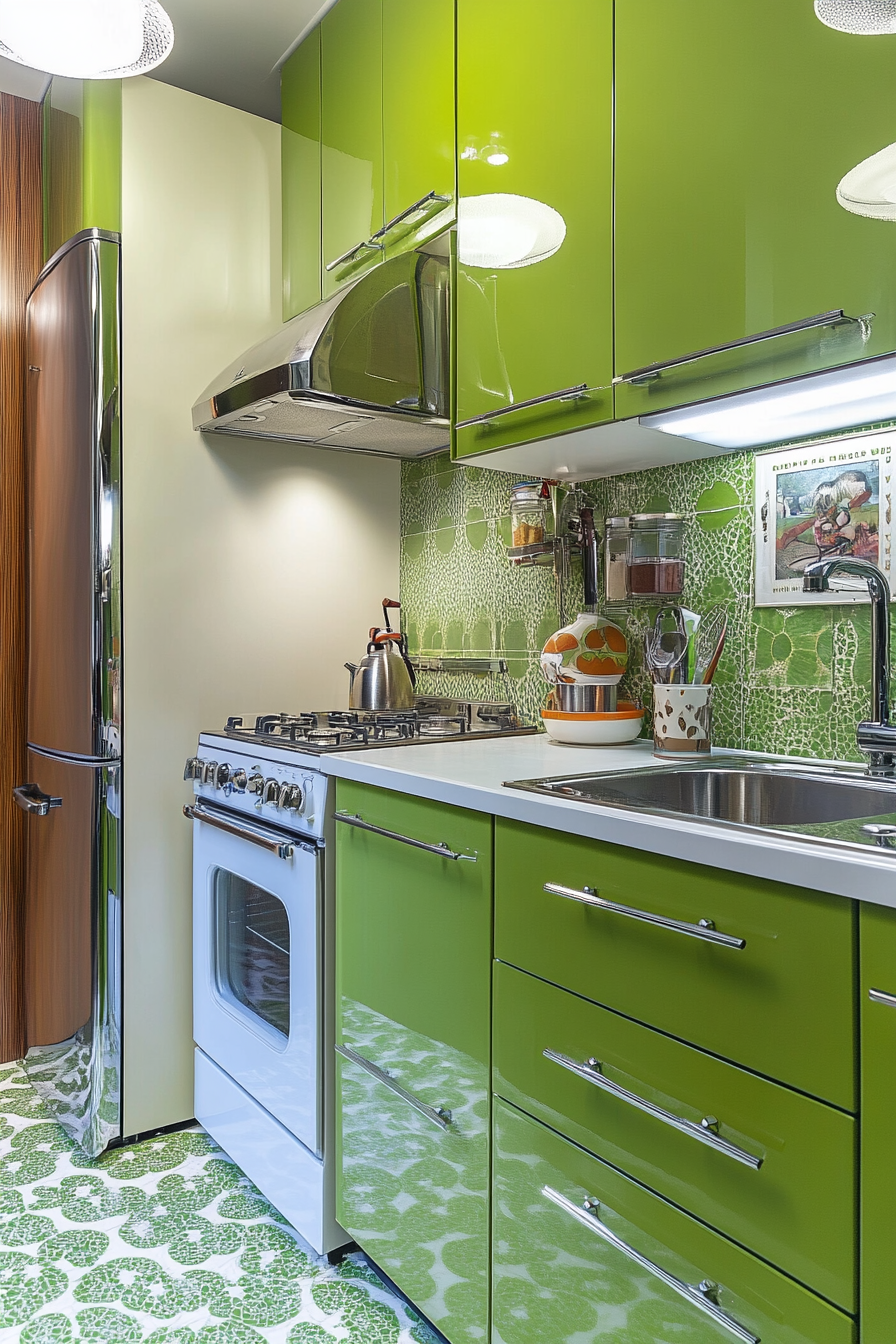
column 433, row 718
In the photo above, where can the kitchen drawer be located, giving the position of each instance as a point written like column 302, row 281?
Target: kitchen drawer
column 564, row 1272
column 762, row 1189
column 782, row 1004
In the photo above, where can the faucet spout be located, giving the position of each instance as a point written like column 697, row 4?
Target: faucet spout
column 877, row 736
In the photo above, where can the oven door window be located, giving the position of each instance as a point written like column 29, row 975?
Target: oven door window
column 252, row 943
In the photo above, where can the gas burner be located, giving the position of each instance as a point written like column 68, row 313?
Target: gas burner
column 433, row 718
column 443, row 725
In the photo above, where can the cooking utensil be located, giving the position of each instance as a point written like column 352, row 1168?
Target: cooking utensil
column 710, row 642
column 590, row 543
column 384, row 679
column 665, row 649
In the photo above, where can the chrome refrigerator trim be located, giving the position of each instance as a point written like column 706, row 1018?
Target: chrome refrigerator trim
column 74, row 883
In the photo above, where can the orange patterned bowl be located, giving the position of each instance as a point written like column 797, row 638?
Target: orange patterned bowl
column 594, row 730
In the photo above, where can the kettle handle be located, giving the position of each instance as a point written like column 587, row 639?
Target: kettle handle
column 403, row 650
column 389, row 604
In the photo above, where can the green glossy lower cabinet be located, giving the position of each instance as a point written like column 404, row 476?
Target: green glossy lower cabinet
column 777, row 1207
column 782, row 1004
column 413, row 1008
column 564, row 1273
column 877, row 932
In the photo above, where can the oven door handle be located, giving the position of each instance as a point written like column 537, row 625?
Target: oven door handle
column 269, row 840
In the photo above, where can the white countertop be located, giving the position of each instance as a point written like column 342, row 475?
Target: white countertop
column 472, row 774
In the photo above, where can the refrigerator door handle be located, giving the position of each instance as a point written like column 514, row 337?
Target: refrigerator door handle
column 31, row 798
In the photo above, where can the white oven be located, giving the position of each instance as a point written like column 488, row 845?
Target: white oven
column 261, row 943
column 256, row 968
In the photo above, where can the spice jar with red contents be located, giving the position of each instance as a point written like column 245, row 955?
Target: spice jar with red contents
column 656, row 555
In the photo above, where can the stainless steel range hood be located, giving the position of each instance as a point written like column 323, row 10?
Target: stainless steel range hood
column 366, row 370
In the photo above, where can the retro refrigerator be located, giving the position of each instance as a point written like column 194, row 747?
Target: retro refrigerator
column 72, row 794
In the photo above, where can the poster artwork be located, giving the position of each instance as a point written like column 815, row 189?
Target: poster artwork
column 822, row 514
column 833, row 499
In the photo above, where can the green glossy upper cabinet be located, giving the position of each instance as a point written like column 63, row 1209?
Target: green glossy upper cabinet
column 877, row 935
column 418, row 120
column 413, row 969
column 300, row 161
column 351, row 138
column 534, row 293
column 735, row 123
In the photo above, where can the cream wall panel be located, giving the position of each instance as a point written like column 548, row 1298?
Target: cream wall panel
column 252, row 571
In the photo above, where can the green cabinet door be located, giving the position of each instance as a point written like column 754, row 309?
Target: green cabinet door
column 412, row 1031
column 418, row 119
column 351, row 138
column 582, row 1253
column 300, row 165
column 734, row 125
column 534, row 290
column 877, row 941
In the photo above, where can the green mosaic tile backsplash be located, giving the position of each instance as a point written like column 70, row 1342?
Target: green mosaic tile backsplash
column 790, row 680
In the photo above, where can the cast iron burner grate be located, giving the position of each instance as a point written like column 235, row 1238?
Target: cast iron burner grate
column 433, row 717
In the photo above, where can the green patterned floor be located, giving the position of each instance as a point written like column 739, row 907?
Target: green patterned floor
column 165, row 1241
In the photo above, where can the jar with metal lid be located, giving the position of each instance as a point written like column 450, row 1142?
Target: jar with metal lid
column 616, row 539
column 656, row 555
column 530, row 513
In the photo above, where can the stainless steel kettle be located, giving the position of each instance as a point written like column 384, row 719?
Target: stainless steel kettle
column 385, row 678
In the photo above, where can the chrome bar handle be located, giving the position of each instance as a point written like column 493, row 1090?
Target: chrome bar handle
column 353, row 251
column 705, row 1132
column 577, row 393
column 705, row 930
column 31, row 798
column 702, row 1295
column 880, row 996
column 431, row 198
column 443, row 851
column 439, row 1115
column 284, row 849
column 834, row 318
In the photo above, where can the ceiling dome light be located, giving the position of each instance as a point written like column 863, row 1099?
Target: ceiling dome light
column 869, row 18
column 870, row 188
column 86, row 39
column 503, row 232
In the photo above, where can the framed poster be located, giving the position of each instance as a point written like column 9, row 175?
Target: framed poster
column 823, row 499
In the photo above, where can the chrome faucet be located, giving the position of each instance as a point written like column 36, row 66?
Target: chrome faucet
column 876, row 737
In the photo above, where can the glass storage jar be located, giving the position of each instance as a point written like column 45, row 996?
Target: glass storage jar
column 656, row 555
column 616, row 539
column 530, row 512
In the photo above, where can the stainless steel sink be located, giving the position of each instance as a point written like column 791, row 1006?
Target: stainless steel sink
column 820, row 803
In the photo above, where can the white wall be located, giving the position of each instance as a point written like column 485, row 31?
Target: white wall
column 252, row 571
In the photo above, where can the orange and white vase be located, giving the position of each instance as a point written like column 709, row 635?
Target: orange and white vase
column 591, row 649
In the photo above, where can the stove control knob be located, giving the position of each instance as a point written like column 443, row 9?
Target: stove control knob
column 222, row 775
column 295, row 798
column 239, row 781
column 256, row 783
column 270, row 791
column 193, row 768
column 283, row 795
column 208, row 772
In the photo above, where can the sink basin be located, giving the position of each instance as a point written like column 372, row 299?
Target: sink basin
column 812, row 800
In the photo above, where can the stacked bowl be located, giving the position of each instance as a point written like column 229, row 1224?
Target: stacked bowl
column 584, row 663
